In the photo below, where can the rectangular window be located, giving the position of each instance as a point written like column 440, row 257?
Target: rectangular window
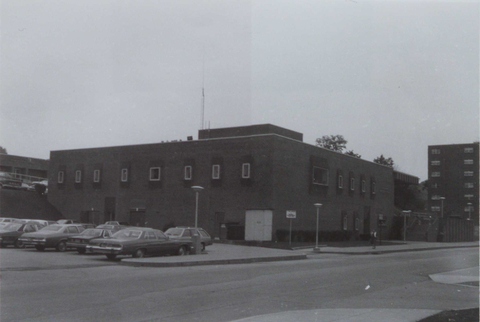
column 364, row 188
column 124, row 175
column 435, row 197
column 340, row 181
column 357, row 223
column 435, row 174
column 468, row 173
column 435, row 162
column 435, row 208
column 435, row 151
column 60, row 176
column 78, row 176
column 469, row 161
column 246, row 170
column 468, row 196
column 352, row 184
column 96, row 175
column 434, row 185
column 345, row 222
column 216, row 171
column 155, row 174
column 468, row 185
column 320, row 176
column 468, row 150
column 187, row 172
column 374, row 187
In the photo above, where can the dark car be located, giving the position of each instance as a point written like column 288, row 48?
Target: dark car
column 138, row 242
column 80, row 241
column 10, row 233
column 186, row 233
column 8, row 181
column 53, row 236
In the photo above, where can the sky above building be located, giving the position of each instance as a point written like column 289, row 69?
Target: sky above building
column 391, row 76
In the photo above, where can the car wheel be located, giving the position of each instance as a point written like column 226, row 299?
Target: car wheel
column 61, row 246
column 182, row 251
column 40, row 247
column 139, row 253
column 111, row 256
column 81, row 250
column 19, row 244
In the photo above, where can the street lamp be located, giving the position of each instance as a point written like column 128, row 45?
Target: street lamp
column 469, row 204
column 405, row 213
column 317, row 205
column 197, row 189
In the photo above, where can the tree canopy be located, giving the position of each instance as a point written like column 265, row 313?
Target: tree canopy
column 353, row 154
column 332, row 142
column 384, row 161
column 3, row 150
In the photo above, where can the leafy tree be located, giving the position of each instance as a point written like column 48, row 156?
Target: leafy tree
column 353, row 154
column 385, row 161
column 332, row 142
column 3, row 150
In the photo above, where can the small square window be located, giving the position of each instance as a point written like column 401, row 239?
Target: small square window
column 60, row 177
column 435, row 151
column 216, row 171
column 96, row 175
column 187, row 172
column 320, row 176
column 435, row 162
column 155, row 174
column 246, row 170
column 78, row 176
column 124, row 175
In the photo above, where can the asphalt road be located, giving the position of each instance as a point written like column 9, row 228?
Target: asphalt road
column 52, row 286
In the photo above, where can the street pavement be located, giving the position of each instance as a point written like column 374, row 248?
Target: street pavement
column 222, row 254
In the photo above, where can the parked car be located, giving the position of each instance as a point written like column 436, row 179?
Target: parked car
column 42, row 222
column 6, row 219
column 113, row 228
column 138, row 242
column 39, row 186
column 80, row 241
column 10, row 234
column 186, row 233
column 53, row 236
column 67, row 221
column 114, row 222
column 8, row 181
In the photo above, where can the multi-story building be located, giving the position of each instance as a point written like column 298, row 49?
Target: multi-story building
column 453, row 175
column 24, row 168
column 251, row 176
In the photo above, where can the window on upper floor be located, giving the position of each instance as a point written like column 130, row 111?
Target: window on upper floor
column 345, row 223
column 216, row 171
column 60, row 177
column 78, row 176
column 246, row 170
column 155, row 174
column 435, row 162
column 435, row 208
column 468, row 150
column 320, row 176
column 468, row 185
column 187, row 172
column 435, row 151
column 124, row 175
column 352, row 184
column 468, row 173
column 340, row 181
column 364, row 186
column 435, row 174
column 468, row 161
column 374, row 187
column 434, row 185
column 96, row 175
column 468, row 196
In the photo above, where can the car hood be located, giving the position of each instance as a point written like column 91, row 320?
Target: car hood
column 47, row 233
column 114, row 240
column 10, row 233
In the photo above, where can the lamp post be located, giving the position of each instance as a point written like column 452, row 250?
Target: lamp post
column 317, row 205
column 469, row 204
column 405, row 213
column 197, row 190
column 441, row 228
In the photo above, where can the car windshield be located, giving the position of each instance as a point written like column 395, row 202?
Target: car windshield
column 92, row 232
column 12, row 227
column 52, row 228
column 174, row 232
column 128, row 233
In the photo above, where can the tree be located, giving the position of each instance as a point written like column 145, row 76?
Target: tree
column 353, row 154
column 3, row 150
column 385, row 161
column 332, row 142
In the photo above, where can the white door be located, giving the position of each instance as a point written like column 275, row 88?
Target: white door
column 258, row 225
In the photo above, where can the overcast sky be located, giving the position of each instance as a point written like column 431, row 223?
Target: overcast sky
column 392, row 77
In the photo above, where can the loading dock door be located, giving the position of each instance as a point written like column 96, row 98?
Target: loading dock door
column 258, row 225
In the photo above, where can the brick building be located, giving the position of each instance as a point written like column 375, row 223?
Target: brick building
column 453, row 175
column 251, row 176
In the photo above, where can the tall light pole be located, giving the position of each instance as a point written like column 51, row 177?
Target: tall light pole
column 317, row 205
column 197, row 190
column 405, row 213
column 469, row 204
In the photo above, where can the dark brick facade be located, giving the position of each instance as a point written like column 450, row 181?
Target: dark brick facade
column 282, row 169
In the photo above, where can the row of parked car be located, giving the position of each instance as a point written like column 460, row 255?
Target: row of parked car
column 110, row 239
column 9, row 181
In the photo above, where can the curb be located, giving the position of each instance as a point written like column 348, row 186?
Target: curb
column 379, row 252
